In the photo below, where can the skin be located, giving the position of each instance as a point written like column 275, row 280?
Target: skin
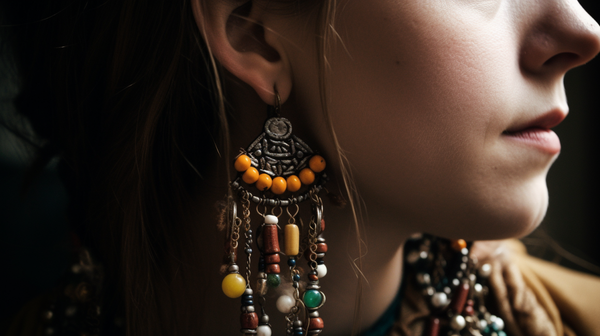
column 420, row 95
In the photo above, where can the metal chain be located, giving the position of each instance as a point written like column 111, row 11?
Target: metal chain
column 312, row 229
column 248, row 235
column 235, row 232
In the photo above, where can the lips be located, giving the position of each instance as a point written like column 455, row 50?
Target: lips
column 537, row 132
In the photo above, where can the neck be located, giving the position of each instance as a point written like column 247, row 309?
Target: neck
column 381, row 271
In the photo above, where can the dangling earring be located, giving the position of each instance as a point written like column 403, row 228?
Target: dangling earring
column 278, row 172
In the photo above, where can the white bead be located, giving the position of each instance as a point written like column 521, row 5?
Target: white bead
column 263, row 330
column 439, row 300
column 270, row 219
column 485, row 270
column 498, row 324
column 458, row 322
column 482, row 324
column 285, row 304
column 321, row 271
column 478, row 288
column 423, row 278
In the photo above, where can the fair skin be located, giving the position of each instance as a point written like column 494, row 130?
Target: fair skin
column 441, row 106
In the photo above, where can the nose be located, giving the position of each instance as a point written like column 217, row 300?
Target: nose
column 561, row 36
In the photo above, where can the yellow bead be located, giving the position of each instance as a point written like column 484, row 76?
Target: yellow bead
column 264, row 182
column 234, row 285
column 292, row 239
column 293, row 183
column 242, row 163
column 250, row 176
column 279, row 185
column 317, row 163
column 307, row 176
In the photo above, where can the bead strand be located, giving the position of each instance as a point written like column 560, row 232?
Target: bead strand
column 271, row 249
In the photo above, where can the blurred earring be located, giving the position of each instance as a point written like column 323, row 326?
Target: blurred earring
column 279, row 173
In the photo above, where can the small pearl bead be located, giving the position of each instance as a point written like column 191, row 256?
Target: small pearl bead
column 485, row 270
column 482, row 324
column 458, row 322
column 285, row 303
column 439, row 300
column 478, row 288
column 263, row 330
column 423, row 279
column 321, row 271
column 498, row 324
column 270, row 219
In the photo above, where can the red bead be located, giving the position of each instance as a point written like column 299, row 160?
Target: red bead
column 316, row 323
column 321, row 248
column 458, row 302
column 270, row 239
column 322, row 225
column 273, row 269
column 469, row 311
column 249, row 321
column 272, row 258
column 313, row 277
column 434, row 327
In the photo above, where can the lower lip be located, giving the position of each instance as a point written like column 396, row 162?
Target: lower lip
column 542, row 139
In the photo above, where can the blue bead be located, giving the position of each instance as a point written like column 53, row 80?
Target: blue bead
column 291, row 262
column 247, row 303
column 248, row 297
column 320, row 261
column 296, row 277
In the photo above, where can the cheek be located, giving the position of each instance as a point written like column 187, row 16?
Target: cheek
column 419, row 108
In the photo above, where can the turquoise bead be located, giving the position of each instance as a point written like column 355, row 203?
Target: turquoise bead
column 501, row 333
column 273, row 280
column 312, row 298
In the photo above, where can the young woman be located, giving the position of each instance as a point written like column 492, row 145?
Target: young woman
column 431, row 116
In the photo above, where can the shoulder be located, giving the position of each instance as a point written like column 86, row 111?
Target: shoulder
column 538, row 297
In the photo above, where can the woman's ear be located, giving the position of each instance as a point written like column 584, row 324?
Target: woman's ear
column 238, row 37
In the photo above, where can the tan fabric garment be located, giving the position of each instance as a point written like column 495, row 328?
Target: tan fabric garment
column 533, row 297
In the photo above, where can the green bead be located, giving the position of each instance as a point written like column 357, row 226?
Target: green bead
column 501, row 333
column 273, row 280
column 312, row 298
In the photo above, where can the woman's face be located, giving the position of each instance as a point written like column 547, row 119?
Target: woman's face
column 443, row 107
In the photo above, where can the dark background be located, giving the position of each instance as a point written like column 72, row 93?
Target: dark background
column 34, row 249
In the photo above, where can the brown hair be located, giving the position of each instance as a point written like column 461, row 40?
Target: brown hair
column 128, row 95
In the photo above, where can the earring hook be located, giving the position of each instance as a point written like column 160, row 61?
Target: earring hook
column 277, row 103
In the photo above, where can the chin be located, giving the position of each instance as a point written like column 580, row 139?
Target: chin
column 517, row 213
column 510, row 213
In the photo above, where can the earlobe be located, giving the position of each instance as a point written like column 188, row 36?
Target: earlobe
column 239, row 40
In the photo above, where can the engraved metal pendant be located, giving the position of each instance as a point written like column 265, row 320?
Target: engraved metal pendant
column 277, row 151
column 278, row 162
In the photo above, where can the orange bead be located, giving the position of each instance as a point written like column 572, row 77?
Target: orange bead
column 459, row 244
column 264, row 182
column 293, row 183
column 279, row 185
column 317, row 163
column 307, row 176
column 251, row 175
column 242, row 163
